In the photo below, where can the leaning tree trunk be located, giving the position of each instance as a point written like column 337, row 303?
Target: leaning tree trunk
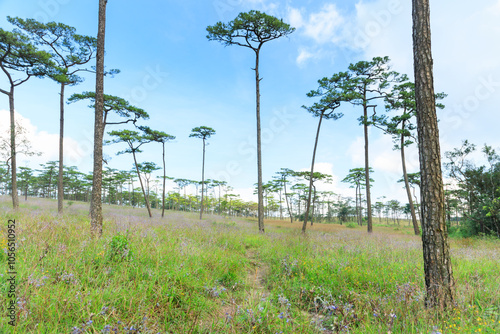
column 306, row 215
column 60, row 189
column 313, row 205
column 13, row 160
column 96, row 204
column 142, row 185
column 367, row 172
column 439, row 281
column 259, row 151
column 407, row 186
column 287, row 202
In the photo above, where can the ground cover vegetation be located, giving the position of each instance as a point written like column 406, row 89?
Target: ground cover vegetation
column 220, row 275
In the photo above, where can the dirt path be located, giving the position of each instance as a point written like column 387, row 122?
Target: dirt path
column 254, row 286
column 256, row 276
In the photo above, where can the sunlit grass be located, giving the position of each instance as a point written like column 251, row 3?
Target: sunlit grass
column 219, row 275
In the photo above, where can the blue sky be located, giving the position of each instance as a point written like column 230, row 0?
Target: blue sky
column 170, row 69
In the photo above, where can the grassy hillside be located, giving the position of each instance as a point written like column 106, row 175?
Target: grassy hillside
column 219, row 275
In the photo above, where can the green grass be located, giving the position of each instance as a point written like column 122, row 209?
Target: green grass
column 219, row 275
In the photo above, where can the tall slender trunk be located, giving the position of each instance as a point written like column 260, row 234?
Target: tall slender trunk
column 142, row 185
column 287, row 202
column 306, row 215
column 202, row 179
column 164, row 181
column 439, row 281
column 313, row 205
column 367, row 171
column 407, row 186
column 96, row 204
column 219, row 209
column 360, row 207
column 259, row 148
column 298, row 204
column 281, row 205
column 133, row 197
column 60, row 189
column 13, row 159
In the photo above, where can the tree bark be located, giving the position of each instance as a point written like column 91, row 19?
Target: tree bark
column 306, row 215
column 60, row 189
column 259, row 149
column 367, row 171
column 13, row 159
column 96, row 204
column 439, row 281
column 416, row 229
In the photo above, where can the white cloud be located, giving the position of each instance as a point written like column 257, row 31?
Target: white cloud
column 303, row 56
column 295, row 18
column 246, row 194
column 356, row 151
column 45, row 143
column 465, row 60
column 324, row 25
column 386, row 164
column 382, row 156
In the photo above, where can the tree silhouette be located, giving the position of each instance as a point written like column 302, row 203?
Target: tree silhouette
column 147, row 168
column 439, row 281
column 134, row 141
column 202, row 132
column 163, row 138
column 332, row 92
column 316, row 176
column 115, row 104
column 356, row 178
column 252, row 30
column 369, row 80
column 69, row 52
column 18, row 55
column 283, row 175
column 400, row 127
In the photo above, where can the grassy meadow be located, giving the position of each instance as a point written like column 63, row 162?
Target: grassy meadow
column 219, row 275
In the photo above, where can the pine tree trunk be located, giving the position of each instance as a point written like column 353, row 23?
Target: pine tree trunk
column 287, row 202
column 313, row 205
column 60, row 189
column 360, row 208
column 439, row 281
column 367, row 172
column 259, row 150
column 13, row 159
column 96, row 201
column 407, row 186
column 306, row 215
column 142, row 185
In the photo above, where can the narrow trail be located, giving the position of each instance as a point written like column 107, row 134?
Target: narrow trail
column 254, row 285
column 256, row 276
